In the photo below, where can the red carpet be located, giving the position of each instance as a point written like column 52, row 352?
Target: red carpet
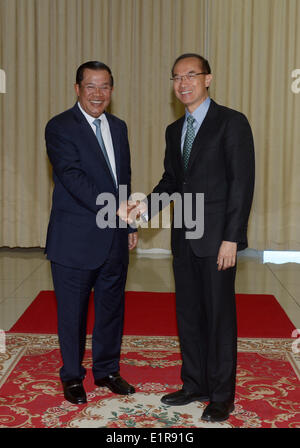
column 148, row 313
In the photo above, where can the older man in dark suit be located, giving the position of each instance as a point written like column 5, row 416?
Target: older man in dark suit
column 209, row 150
column 89, row 151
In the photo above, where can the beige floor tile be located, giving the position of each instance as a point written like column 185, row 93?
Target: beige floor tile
column 150, row 274
column 40, row 280
column 11, row 309
column 7, row 288
column 16, row 264
column 289, row 276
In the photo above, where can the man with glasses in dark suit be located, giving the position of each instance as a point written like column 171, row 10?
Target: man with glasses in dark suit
column 209, row 150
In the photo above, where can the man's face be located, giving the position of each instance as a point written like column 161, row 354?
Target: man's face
column 94, row 91
column 191, row 92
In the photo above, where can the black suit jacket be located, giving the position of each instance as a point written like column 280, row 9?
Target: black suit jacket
column 221, row 166
column 80, row 174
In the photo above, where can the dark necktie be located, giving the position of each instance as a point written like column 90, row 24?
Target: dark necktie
column 188, row 141
column 97, row 123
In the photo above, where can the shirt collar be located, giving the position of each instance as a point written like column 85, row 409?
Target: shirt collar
column 89, row 118
column 200, row 111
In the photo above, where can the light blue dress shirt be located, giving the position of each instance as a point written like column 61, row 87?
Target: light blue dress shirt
column 199, row 114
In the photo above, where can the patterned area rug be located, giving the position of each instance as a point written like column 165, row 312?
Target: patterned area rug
column 268, row 388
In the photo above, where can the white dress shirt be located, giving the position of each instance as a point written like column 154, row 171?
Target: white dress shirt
column 106, row 135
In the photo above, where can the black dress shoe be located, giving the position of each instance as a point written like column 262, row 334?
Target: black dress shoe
column 182, row 397
column 116, row 384
column 74, row 391
column 217, row 411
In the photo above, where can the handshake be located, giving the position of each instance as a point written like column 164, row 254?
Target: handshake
column 133, row 212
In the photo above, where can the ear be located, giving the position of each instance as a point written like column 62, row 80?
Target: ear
column 76, row 87
column 208, row 79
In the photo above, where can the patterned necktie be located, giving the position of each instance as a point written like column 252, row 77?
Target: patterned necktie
column 188, row 141
column 97, row 123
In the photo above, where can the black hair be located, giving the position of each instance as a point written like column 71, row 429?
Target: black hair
column 204, row 62
column 92, row 65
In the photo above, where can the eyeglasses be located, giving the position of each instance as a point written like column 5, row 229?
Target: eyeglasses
column 188, row 77
column 92, row 88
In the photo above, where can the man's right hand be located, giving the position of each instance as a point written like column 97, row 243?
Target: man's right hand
column 131, row 211
column 124, row 209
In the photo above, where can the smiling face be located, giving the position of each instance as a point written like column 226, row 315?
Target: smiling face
column 94, row 91
column 194, row 91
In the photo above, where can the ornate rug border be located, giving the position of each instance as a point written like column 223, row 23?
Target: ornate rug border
column 18, row 344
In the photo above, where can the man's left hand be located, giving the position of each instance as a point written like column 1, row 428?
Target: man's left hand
column 132, row 240
column 227, row 255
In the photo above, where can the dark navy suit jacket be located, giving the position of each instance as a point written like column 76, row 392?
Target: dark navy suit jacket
column 80, row 174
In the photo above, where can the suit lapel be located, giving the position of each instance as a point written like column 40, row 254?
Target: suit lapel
column 177, row 139
column 90, row 140
column 115, row 136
